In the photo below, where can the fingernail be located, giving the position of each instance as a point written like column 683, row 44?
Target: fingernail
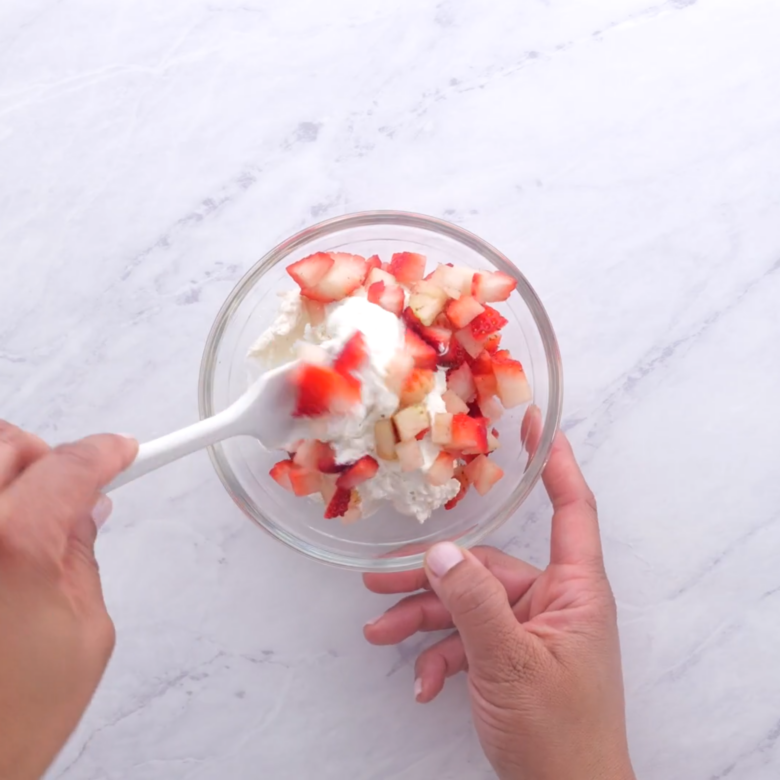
column 102, row 510
column 127, row 436
column 417, row 689
column 442, row 557
column 374, row 621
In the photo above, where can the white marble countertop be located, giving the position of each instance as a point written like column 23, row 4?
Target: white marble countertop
column 626, row 154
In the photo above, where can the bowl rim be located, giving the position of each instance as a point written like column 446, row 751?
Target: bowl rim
column 391, row 218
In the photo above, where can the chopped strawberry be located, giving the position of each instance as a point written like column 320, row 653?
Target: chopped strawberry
column 314, row 310
column 492, row 343
column 494, row 431
column 358, row 472
column 411, row 320
column 441, row 432
column 463, row 310
column 321, row 390
column 416, row 387
column 326, row 459
column 454, row 356
column 305, row 481
column 354, row 511
column 464, row 486
column 487, row 323
column 345, row 276
column 407, row 267
column 486, row 385
column 468, row 342
column 280, row 473
column 338, row 504
column 327, row 487
column 411, row 421
column 378, row 275
column 421, row 435
column 389, row 296
column 307, row 454
column 461, row 381
column 373, row 262
column 492, row 286
column 512, row 384
column 490, row 408
column 398, row 369
column 468, row 433
column 423, row 354
column 483, row 473
column 353, row 355
column 455, row 281
column 427, row 301
column 384, row 435
column 310, row 271
column 474, row 410
column 442, row 469
column 438, row 338
column 410, row 455
column 493, row 443
column 481, row 364
column 454, row 403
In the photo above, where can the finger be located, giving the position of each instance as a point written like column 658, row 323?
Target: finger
column 18, row 449
column 64, row 484
column 575, row 527
column 425, row 612
column 513, row 573
column 479, row 607
column 434, row 665
column 531, row 429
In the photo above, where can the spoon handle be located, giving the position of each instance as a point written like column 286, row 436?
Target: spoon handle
column 159, row 452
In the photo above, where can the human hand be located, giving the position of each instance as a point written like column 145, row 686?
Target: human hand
column 540, row 647
column 55, row 634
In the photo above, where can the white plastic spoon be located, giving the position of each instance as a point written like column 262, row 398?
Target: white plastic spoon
column 264, row 411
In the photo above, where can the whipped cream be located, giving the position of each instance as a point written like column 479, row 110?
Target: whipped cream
column 352, row 435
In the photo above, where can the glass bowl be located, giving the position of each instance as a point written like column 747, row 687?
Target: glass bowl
column 387, row 540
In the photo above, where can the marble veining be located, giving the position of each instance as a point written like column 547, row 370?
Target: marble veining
column 625, row 153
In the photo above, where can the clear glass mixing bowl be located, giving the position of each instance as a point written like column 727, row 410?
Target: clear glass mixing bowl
column 387, row 540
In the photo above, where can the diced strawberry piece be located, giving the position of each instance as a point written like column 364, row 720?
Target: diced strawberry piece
column 411, row 421
column 315, row 311
column 280, row 473
column 494, row 431
column 409, row 455
column 305, row 481
column 326, row 459
column 474, row 410
column 454, row 280
column 311, row 270
column 454, row 403
column 441, row 431
column 353, row 355
column 359, row 472
column 442, row 469
column 493, row 443
column 411, row 320
column 487, row 386
column 321, row 390
column 490, row 408
column 373, row 262
column 463, row 310
column 487, row 323
column 389, row 296
column 469, row 343
column 461, row 381
column 338, row 504
column 346, row 275
column 512, row 384
column 468, row 457
column 417, row 385
column 327, row 487
column 438, row 338
column 398, row 369
column 464, row 486
column 468, row 433
column 423, row 354
column 384, row 435
column 492, row 286
column 427, row 301
column 421, row 435
column 307, row 455
column 354, row 511
column 380, row 275
column 407, row 267
column 481, row 364
column 483, row 473
column 454, row 356
column 492, row 343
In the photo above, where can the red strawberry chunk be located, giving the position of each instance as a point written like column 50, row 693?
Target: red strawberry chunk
column 482, row 364
column 464, row 486
column 487, row 323
column 357, row 473
column 454, row 356
column 304, row 481
column 321, row 390
column 280, row 473
column 487, row 386
column 492, row 286
column 423, row 354
column 469, row 433
column 374, row 292
column 338, row 504
column 407, row 267
column 461, row 381
column 417, row 385
column 346, row 275
column 483, row 473
column 326, row 459
column 468, row 342
column 353, row 356
column 310, row 271
column 511, row 382
column 463, row 310
column 389, row 296
column 411, row 320
column 442, row 469
column 373, row 262
column 438, row 338
column 492, row 343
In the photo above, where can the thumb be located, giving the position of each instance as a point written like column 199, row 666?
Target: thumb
column 479, row 607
